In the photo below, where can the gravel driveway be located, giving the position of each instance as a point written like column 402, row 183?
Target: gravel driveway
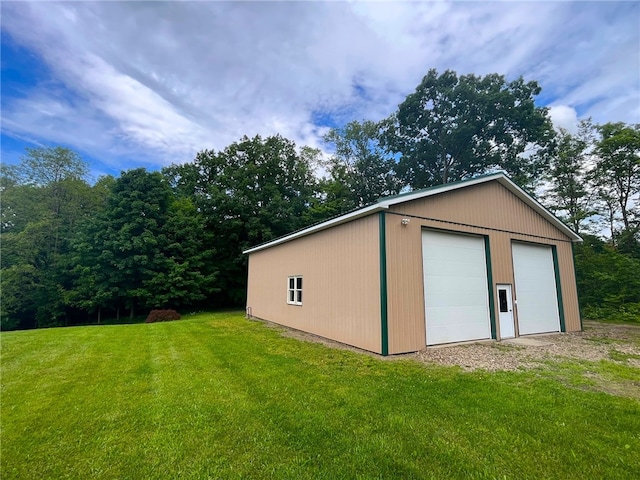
column 556, row 355
column 598, row 341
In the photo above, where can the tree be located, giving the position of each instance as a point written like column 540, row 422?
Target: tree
column 43, row 199
column 146, row 249
column 569, row 194
column 8, row 185
column 360, row 169
column 55, row 180
column 189, row 273
column 186, row 179
column 453, row 128
column 628, row 242
column 49, row 165
column 251, row 192
column 608, row 281
column 617, row 172
column 126, row 242
column 89, row 278
column 18, row 308
column 49, row 183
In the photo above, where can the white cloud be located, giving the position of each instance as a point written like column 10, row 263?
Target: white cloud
column 565, row 117
column 148, row 82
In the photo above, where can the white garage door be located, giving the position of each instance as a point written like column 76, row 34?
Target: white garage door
column 455, row 287
column 536, row 293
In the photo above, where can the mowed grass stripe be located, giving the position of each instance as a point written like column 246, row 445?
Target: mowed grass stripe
column 217, row 396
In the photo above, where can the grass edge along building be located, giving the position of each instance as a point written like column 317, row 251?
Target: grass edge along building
column 476, row 259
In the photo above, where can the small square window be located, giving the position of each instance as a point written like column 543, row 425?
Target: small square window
column 294, row 290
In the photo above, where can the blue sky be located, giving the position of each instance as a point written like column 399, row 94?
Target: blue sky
column 129, row 84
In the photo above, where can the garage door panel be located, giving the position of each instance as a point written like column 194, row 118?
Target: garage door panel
column 455, row 283
column 435, row 237
column 449, row 325
column 456, row 268
column 536, row 294
column 456, row 298
column 463, row 254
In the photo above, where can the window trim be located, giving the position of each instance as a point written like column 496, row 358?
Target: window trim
column 297, row 292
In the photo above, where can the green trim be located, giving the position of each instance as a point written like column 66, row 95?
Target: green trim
column 556, row 268
column 383, row 285
column 575, row 278
column 492, row 301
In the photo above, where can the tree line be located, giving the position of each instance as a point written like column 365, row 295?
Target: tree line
column 74, row 252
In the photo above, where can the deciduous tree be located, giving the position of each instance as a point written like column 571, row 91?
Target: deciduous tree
column 569, row 195
column 251, row 192
column 617, row 171
column 125, row 243
column 454, row 127
column 360, row 170
column 43, row 199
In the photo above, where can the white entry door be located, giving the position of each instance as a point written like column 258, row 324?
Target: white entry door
column 455, row 287
column 505, row 312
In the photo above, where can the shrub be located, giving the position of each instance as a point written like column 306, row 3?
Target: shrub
column 162, row 316
column 629, row 312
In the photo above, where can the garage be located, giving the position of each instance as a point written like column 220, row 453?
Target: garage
column 455, row 287
column 536, row 293
column 426, row 267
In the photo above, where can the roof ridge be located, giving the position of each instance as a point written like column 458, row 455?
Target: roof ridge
column 434, row 187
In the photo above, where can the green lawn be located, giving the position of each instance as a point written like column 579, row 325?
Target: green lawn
column 218, row 396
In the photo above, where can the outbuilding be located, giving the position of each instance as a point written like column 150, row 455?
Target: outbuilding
column 471, row 260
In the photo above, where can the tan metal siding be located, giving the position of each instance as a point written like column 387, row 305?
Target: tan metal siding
column 569, row 289
column 341, row 283
column 488, row 205
column 405, row 298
